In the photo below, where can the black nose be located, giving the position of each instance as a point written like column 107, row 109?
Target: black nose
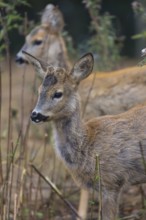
column 37, row 117
column 20, row 60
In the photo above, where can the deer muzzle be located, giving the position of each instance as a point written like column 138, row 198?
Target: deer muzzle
column 38, row 117
column 20, row 60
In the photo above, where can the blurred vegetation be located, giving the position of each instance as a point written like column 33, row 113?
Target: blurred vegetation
column 106, row 20
column 10, row 20
column 103, row 41
column 139, row 10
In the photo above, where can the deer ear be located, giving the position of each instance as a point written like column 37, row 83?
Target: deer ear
column 52, row 19
column 40, row 66
column 82, row 68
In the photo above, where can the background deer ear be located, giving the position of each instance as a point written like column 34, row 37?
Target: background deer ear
column 52, row 18
column 82, row 68
column 40, row 66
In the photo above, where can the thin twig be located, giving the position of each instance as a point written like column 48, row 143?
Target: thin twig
column 100, row 188
column 11, row 169
column 97, row 178
column 144, row 164
column 1, row 171
column 28, row 123
column 39, row 178
column 88, row 95
column 56, row 190
column 129, row 217
column 142, row 156
column 7, row 43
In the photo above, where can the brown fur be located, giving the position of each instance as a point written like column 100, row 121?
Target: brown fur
column 116, row 139
column 115, row 92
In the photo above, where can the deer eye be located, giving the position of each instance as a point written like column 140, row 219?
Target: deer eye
column 57, row 95
column 37, row 42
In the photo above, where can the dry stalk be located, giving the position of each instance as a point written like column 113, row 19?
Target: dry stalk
column 100, row 188
column 28, row 123
column 23, row 82
column 1, row 171
column 83, row 204
column 134, row 216
column 57, row 191
column 88, row 95
column 142, row 156
column 85, row 194
column 144, row 164
column 39, row 178
column 15, row 206
column 22, row 107
column 22, row 111
column 97, row 179
column 6, row 40
column 24, row 137
column 21, row 192
column 11, row 170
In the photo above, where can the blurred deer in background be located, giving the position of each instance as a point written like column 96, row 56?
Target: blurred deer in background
column 45, row 40
column 120, row 141
column 112, row 92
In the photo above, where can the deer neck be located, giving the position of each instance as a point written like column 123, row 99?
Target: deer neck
column 57, row 52
column 70, row 133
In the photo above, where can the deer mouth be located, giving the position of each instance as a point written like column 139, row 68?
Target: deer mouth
column 38, row 117
column 20, row 60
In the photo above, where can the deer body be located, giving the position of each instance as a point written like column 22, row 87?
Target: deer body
column 115, row 92
column 116, row 139
column 120, row 141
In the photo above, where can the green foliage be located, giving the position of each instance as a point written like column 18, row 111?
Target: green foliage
column 103, row 41
column 139, row 10
column 140, row 35
column 10, row 19
column 103, row 44
column 26, row 213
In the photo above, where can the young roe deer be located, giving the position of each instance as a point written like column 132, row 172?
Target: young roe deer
column 120, row 141
column 112, row 92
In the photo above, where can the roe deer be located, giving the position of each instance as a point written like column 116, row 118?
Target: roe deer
column 112, row 92
column 120, row 141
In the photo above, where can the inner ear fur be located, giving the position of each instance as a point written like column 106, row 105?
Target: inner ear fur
column 40, row 66
column 82, row 68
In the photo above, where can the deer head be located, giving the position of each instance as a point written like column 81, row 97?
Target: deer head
column 58, row 93
column 43, row 37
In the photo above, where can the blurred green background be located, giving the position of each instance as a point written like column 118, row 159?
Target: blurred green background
column 77, row 22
